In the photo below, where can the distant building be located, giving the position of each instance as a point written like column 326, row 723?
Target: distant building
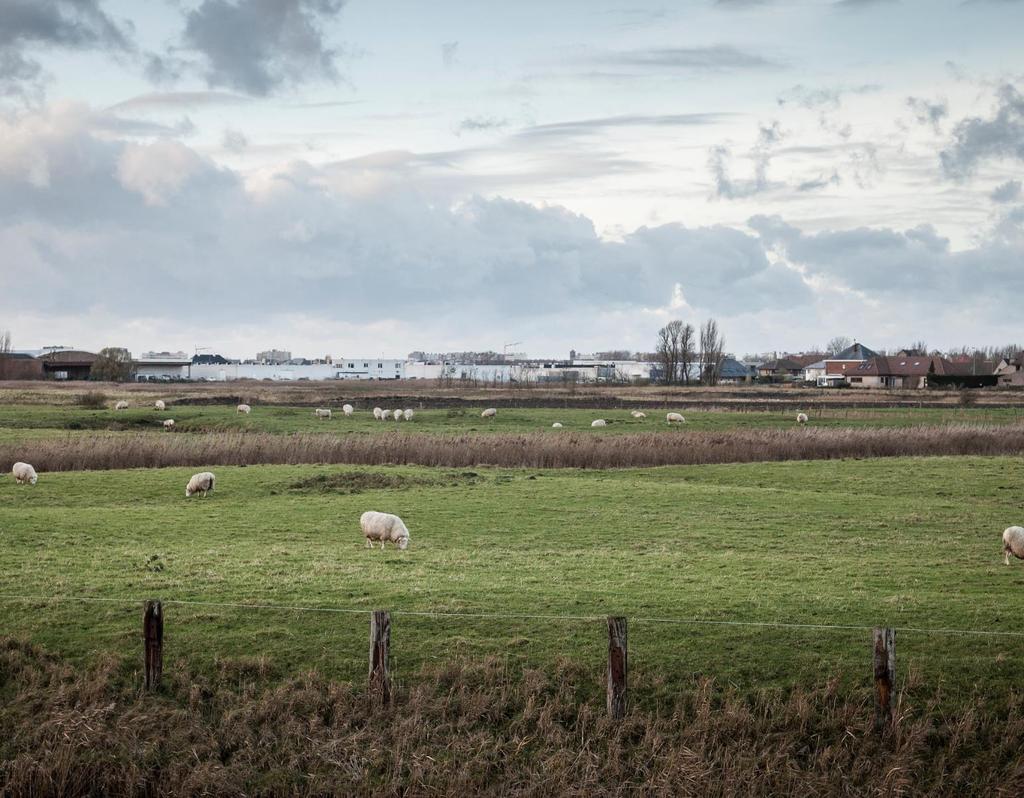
column 273, row 357
column 67, row 364
column 162, row 366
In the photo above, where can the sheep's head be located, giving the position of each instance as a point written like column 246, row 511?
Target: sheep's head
column 33, row 479
column 402, row 543
column 188, row 492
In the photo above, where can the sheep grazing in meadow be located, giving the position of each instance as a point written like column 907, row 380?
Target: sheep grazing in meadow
column 599, row 422
column 200, row 483
column 1013, row 543
column 801, row 418
column 490, row 412
column 348, row 410
column 122, row 405
column 674, row 418
column 383, row 527
column 556, row 425
column 24, row 474
column 169, row 424
column 385, row 415
column 322, row 412
column 159, row 404
column 638, row 414
column 397, row 415
column 408, row 414
column 243, row 409
column 378, row 413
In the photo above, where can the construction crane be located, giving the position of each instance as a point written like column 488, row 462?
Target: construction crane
column 514, row 343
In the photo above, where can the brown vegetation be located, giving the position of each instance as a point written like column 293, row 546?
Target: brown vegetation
column 475, row 729
column 532, row 450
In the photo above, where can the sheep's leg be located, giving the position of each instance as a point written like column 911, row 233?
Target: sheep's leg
column 382, row 544
column 369, row 545
column 1006, row 556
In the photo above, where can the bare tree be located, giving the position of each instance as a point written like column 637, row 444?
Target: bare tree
column 838, row 344
column 712, row 346
column 687, row 351
column 668, row 350
column 5, row 351
column 112, row 364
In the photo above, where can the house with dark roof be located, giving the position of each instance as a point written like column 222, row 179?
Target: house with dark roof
column 733, row 372
column 901, row 371
column 787, row 367
column 67, row 364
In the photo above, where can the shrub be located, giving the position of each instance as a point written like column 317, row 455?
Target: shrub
column 94, row 400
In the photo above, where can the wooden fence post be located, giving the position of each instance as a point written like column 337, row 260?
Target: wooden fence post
column 380, row 649
column 617, row 667
column 885, row 676
column 153, row 640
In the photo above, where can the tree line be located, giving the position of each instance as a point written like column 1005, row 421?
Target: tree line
column 688, row 355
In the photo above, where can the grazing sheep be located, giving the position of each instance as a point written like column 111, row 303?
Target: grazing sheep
column 674, row 418
column 384, row 527
column 490, row 412
column 200, row 483
column 322, row 412
column 243, row 409
column 348, row 410
column 122, row 405
column 556, row 425
column 378, row 413
column 408, row 414
column 600, row 422
column 385, row 415
column 397, row 415
column 169, row 424
column 801, row 418
column 23, row 473
column 1013, row 543
column 159, row 404
column 637, row 414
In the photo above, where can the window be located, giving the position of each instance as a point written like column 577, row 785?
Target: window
column 366, row 365
column 380, row 365
column 351, row 365
column 856, row 379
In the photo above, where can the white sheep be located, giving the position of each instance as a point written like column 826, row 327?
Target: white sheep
column 348, row 410
column 408, row 414
column 397, row 415
column 801, row 418
column 200, row 483
column 556, row 425
column 377, row 413
column 169, row 424
column 600, row 422
column 159, row 404
column 384, row 527
column 385, row 415
column 322, row 412
column 638, row 414
column 24, row 473
column 1013, row 543
column 122, row 405
column 674, row 418
column 490, row 412
column 243, row 409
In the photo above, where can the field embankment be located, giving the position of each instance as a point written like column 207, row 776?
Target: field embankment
column 473, row 729
column 103, row 451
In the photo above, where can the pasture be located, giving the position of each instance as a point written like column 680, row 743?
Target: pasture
column 913, row 543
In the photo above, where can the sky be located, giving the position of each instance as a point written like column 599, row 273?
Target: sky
column 372, row 177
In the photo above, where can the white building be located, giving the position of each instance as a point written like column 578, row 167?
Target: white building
column 359, row 368
column 162, row 366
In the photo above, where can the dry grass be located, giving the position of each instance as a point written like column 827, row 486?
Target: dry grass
column 534, row 450
column 475, row 729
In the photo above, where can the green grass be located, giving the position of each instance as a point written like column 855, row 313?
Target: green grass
column 46, row 420
column 910, row 543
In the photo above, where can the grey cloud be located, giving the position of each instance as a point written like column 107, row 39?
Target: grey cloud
column 719, row 158
column 253, row 46
column 918, row 264
column 579, row 127
column 479, row 123
column 1007, row 192
column 976, row 139
column 449, row 53
column 822, row 96
column 234, row 141
column 172, row 100
column 819, row 183
column 52, row 24
column 716, row 58
column 929, row 113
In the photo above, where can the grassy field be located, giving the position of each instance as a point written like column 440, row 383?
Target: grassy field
column 908, row 542
column 60, row 419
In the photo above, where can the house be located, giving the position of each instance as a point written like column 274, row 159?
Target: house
column 850, row 358
column 733, row 372
column 902, row 372
column 67, row 364
column 20, row 366
column 1010, row 371
column 787, row 368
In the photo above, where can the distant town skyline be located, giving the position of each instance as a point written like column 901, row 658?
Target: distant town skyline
column 364, row 176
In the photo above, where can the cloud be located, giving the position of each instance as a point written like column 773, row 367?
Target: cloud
column 234, row 141
column 449, row 53
column 719, row 162
column 976, row 139
column 173, row 100
column 479, row 123
column 1007, row 192
column 257, row 47
column 52, row 25
column 583, row 127
column 823, row 96
column 929, row 113
column 716, row 58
